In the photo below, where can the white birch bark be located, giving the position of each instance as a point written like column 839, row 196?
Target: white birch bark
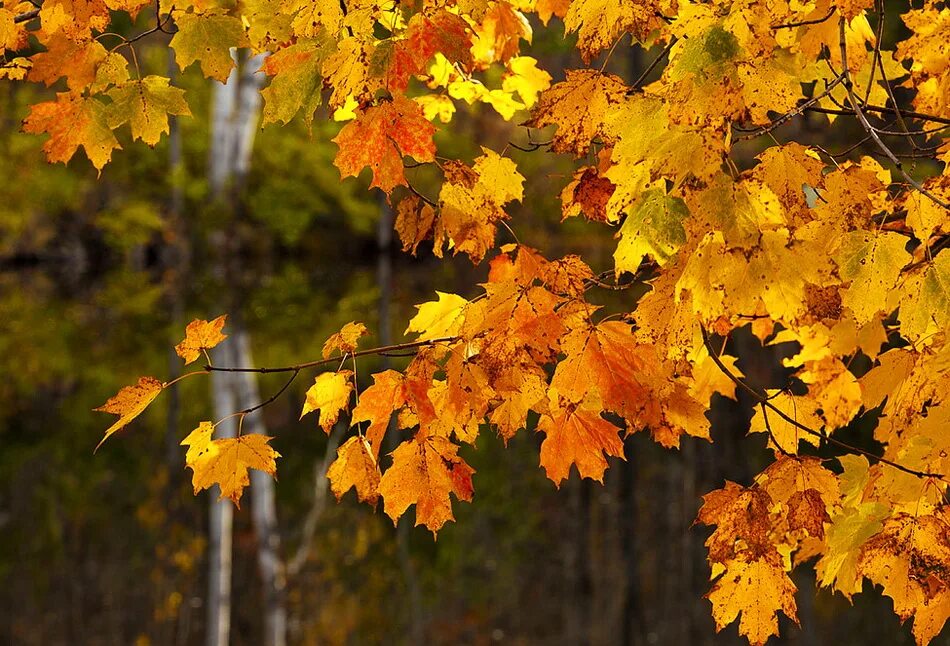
column 235, row 113
column 221, row 518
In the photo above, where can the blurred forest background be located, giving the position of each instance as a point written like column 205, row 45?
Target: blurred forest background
column 98, row 277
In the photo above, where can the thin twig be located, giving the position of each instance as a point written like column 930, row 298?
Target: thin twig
column 321, row 362
column 803, row 23
column 656, row 61
column 849, row 86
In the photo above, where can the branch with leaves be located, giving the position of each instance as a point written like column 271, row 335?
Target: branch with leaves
column 841, row 254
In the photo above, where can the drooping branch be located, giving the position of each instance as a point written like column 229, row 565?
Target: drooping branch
column 763, row 400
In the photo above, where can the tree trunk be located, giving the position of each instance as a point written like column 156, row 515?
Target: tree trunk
column 235, row 113
column 263, row 503
column 220, row 522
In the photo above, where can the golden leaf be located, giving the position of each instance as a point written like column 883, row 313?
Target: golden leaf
column 201, row 335
column 129, row 403
column 329, row 394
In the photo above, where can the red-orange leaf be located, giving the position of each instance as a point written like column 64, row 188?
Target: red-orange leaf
column 73, row 121
column 381, row 137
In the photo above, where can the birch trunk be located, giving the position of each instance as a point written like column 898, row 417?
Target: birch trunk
column 221, row 518
column 263, row 504
column 235, row 113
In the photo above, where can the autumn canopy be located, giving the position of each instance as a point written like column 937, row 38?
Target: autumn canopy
column 724, row 218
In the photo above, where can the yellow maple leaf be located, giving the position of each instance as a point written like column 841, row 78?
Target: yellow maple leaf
column 226, row 462
column 355, row 468
column 579, row 106
column 872, row 262
column 910, row 558
column 129, row 403
column 208, row 39
column 524, row 77
column 145, row 104
column 599, row 23
column 785, row 434
column 471, row 203
column 201, row 335
column 652, row 228
column 924, row 298
column 757, row 588
column 437, row 319
column 329, row 394
column 344, row 341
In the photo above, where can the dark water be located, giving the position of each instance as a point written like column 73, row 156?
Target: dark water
column 110, row 548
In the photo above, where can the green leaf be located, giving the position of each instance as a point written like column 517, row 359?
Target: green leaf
column 207, row 38
column 145, row 105
column 654, row 227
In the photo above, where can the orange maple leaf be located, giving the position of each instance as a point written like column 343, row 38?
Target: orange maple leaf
column 578, row 436
column 355, row 467
column 425, row 471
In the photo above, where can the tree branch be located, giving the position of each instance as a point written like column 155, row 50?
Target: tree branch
column 763, row 400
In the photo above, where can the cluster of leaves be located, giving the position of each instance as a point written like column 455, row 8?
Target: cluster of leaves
column 841, row 257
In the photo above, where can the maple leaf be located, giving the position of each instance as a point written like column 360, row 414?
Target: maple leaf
column 208, row 39
column 295, row 81
column 784, row 435
column 73, row 121
column 910, row 558
column 472, row 201
column 414, row 222
column 129, row 403
column 77, row 61
column 605, row 360
column 925, row 216
column 871, row 261
column 757, row 589
column 145, row 105
column 589, row 192
column 579, row 106
column 599, row 23
column 76, row 18
column 787, row 170
column 925, row 298
column 201, row 335
column 577, row 435
column 329, row 394
column 425, row 472
column 377, row 403
column 653, row 227
column 525, row 78
column 355, row 467
column 499, row 32
column 741, row 517
column 380, row 138
column 438, row 319
column 226, row 462
column 344, row 341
